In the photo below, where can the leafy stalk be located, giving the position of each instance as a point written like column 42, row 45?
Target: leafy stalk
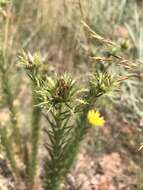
column 32, row 66
column 36, row 116
column 6, row 89
column 7, row 144
column 66, row 107
column 59, row 134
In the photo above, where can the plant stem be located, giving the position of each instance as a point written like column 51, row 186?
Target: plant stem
column 36, row 116
column 7, row 144
column 9, row 102
column 54, row 165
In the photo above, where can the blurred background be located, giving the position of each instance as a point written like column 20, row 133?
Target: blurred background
column 109, row 158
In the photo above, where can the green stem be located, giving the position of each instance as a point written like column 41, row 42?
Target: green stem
column 9, row 102
column 36, row 116
column 61, row 159
column 54, row 165
column 7, row 144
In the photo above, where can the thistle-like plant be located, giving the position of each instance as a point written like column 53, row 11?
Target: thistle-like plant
column 59, row 98
column 65, row 106
column 65, row 103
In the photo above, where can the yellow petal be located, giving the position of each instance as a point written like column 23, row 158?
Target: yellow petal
column 95, row 119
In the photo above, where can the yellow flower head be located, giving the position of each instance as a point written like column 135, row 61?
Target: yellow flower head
column 95, row 119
